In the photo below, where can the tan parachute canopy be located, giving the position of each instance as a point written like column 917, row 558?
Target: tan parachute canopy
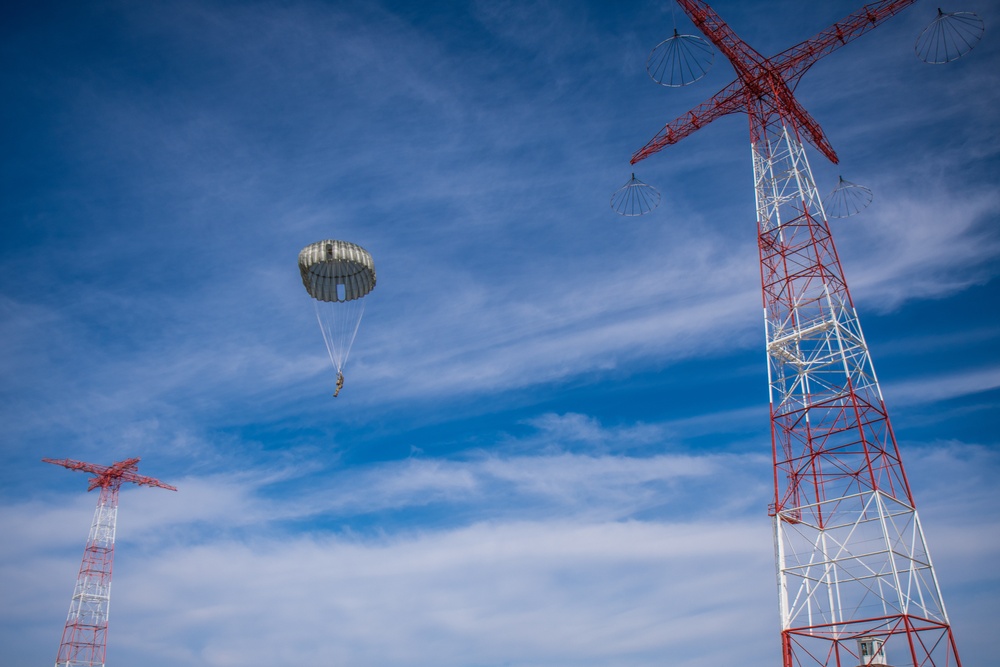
column 330, row 264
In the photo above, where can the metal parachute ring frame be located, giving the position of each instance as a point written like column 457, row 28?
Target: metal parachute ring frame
column 847, row 199
column 949, row 37
column 635, row 198
column 679, row 60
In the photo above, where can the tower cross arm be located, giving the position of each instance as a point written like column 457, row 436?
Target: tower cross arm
column 116, row 473
column 743, row 57
column 793, row 62
column 142, row 480
column 728, row 100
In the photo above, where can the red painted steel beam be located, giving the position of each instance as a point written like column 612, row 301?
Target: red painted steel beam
column 726, row 101
column 794, row 62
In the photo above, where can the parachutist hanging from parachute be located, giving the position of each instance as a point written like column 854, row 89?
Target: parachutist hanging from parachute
column 337, row 275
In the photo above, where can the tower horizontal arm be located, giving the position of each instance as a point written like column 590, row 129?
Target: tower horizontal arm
column 743, row 57
column 116, row 473
column 792, row 63
column 142, row 480
column 726, row 101
column 92, row 468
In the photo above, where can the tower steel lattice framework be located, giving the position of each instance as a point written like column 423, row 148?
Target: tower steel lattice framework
column 855, row 579
column 85, row 636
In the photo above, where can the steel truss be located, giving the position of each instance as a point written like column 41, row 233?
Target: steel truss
column 85, row 636
column 851, row 555
column 855, row 579
column 84, row 639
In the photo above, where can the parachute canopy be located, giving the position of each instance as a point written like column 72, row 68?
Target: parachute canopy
column 336, row 270
column 337, row 274
column 949, row 37
column 679, row 60
column 635, row 198
column 847, row 199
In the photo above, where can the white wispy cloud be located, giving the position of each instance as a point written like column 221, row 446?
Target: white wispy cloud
column 518, row 590
column 487, row 594
column 943, row 387
column 921, row 244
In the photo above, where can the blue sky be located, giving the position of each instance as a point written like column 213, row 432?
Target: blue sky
column 552, row 446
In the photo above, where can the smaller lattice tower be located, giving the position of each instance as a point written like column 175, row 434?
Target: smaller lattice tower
column 85, row 636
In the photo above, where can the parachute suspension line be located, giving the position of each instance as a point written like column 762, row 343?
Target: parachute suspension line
column 359, row 306
column 326, row 336
column 339, row 322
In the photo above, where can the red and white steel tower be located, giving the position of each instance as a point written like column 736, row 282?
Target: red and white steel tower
column 855, row 579
column 85, row 636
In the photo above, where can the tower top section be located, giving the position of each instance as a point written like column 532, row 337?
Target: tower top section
column 763, row 86
column 113, row 475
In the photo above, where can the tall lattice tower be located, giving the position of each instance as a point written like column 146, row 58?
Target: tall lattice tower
column 85, row 637
column 855, row 578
